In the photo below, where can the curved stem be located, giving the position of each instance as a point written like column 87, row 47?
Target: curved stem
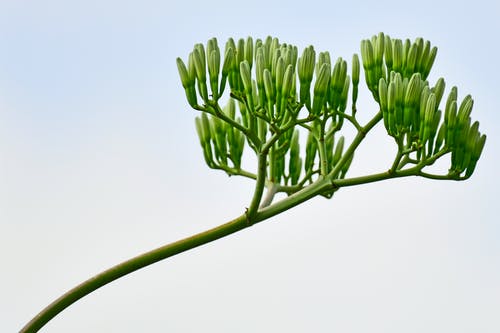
column 259, row 186
column 241, row 222
column 130, row 266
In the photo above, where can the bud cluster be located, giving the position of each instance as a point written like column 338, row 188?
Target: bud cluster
column 270, row 84
column 220, row 141
column 410, row 109
column 463, row 138
column 382, row 55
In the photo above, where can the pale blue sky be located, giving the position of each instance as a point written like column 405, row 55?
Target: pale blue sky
column 99, row 161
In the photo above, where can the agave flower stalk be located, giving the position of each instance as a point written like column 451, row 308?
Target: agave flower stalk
column 275, row 96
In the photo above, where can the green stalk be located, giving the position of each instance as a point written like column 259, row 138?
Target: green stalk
column 194, row 241
column 252, row 216
column 259, row 187
column 322, row 156
column 130, row 266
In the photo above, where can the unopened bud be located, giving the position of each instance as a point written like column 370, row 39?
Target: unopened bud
column 355, row 69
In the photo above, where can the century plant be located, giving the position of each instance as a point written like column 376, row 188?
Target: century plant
column 261, row 94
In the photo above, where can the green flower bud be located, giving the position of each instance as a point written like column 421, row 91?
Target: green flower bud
column 424, row 96
column 247, row 82
column 452, row 97
column 205, row 141
column 270, row 92
column 344, row 94
column 323, row 58
column 199, row 64
column 433, row 129
column 191, row 67
column 429, row 117
column 220, row 146
column 287, row 81
column 383, row 96
column 411, row 60
column 205, row 122
column 280, row 71
column 372, row 72
column 294, row 56
column 388, row 52
column 478, row 147
column 391, row 109
column 274, row 63
column 397, row 57
column 406, row 51
column 286, row 86
column 367, row 54
column 186, row 80
column 413, row 91
column 438, row 90
column 427, row 63
column 419, row 43
column 236, row 148
column 339, row 148
column 228, row 61
column 293, row 89
column 306, row 65
column 199, row 131
column 355, row 69
column 422, row 61
column 211, row 45
column 311, row 152
column 440, row 138
column 249, row 51
column 465, row 108
column 275, row 45
column 201, row 52
column 378, row 49
column 475, row 155
column 240, row 51
column 213, row 71
column 473, row 136
column 191, row 96
column 339, row 74
column 382, row 93
column 320, row 88
column 230, row 44
column 399, row 97
column 411, row 100
column 259, row 73
column 451, row 123
column 246, row 77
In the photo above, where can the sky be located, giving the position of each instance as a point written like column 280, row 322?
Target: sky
column 99, row 161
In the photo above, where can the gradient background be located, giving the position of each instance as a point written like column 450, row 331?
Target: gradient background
column 99, row 161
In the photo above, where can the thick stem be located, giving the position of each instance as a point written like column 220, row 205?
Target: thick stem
column 259, row 186
column 226, row 229
column 130, row 266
